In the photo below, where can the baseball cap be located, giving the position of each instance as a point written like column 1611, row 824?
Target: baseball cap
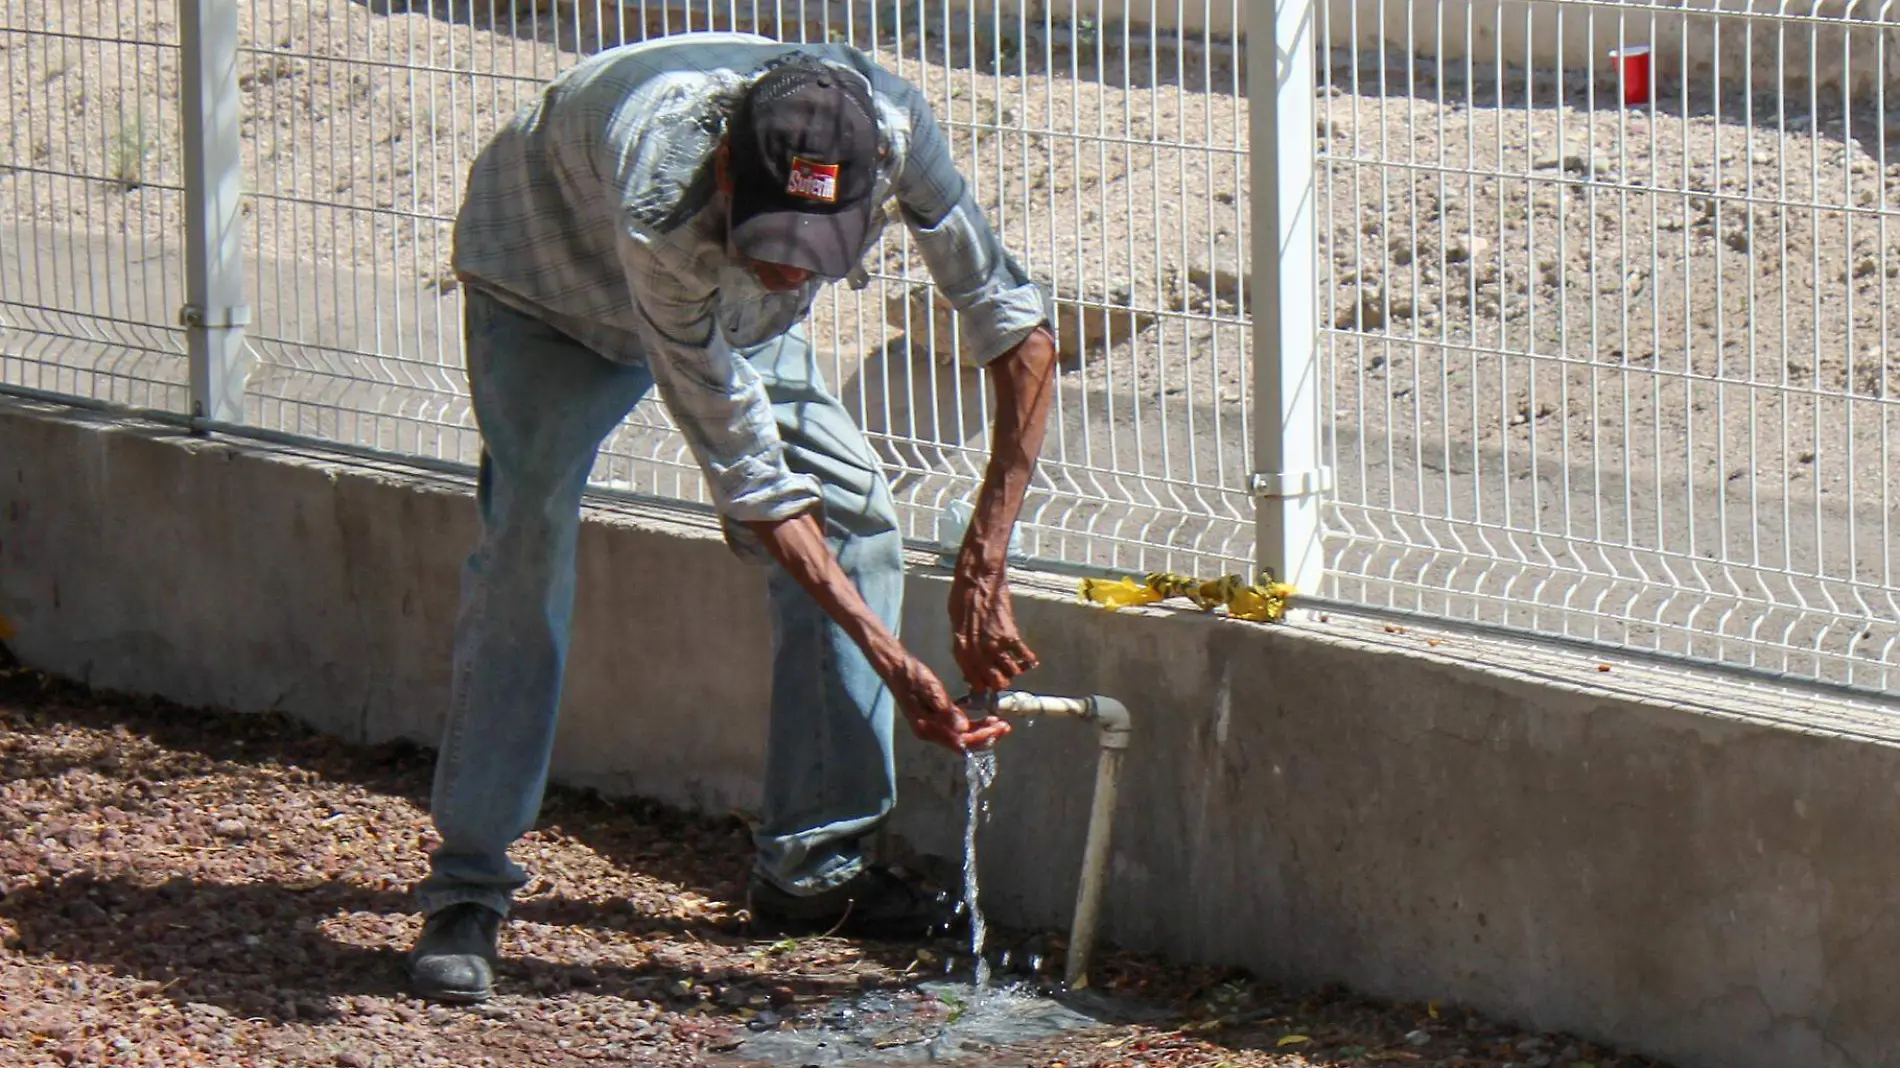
column 804, row 157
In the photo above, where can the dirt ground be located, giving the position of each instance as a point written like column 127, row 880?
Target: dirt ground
column 181, row 887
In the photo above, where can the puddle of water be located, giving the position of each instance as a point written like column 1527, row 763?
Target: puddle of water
column 948, row 1019
column 979, row 771
column 934, row 1021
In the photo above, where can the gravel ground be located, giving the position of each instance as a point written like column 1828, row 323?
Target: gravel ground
column 185, row 887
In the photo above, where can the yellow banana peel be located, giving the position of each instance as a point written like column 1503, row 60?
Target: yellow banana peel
column 1264, row 602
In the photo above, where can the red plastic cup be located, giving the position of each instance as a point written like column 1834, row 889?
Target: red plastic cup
column 1632, row 73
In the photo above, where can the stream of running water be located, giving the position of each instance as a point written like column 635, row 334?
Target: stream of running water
column 979, row 771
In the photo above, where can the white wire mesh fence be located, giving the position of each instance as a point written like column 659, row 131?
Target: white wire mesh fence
column 363, row 123
column 1619, row 371
column 1620, row 374
column 92, row 220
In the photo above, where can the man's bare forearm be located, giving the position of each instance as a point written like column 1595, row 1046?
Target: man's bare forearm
column 1025, row 385
column 798, row 544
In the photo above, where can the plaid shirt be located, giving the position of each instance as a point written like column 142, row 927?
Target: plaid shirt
column 595, row 208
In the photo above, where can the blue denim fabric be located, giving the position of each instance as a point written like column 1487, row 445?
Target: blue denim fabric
column 544, row 402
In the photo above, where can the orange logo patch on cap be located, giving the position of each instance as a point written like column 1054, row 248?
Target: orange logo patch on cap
column 813, row 181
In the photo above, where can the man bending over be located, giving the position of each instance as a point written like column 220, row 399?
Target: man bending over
column 662, row 217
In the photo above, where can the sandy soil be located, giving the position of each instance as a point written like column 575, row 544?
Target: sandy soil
column 180, row 887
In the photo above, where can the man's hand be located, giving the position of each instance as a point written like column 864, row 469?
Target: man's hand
column 933, row 716
column 989, row 650
column 983, row 634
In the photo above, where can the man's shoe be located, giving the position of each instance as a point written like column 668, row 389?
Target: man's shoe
column 875, row 904
column 454, row 957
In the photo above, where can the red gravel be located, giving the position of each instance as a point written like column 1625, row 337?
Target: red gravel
column 184, row 887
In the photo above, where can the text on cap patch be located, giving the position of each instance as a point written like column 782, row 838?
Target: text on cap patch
column 813, row 181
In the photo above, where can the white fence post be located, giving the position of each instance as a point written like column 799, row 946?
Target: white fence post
column 1288, row 478
column 215, row 313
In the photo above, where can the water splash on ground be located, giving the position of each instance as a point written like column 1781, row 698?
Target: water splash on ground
column 941, row 1020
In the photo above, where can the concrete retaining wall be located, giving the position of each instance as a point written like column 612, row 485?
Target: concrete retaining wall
column 1318, row 802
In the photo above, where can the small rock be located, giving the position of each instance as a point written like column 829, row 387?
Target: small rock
column 231, row 829
column 1736, row 239
column 1418, row 1038
column 1867, row 265
column 351, row 1059
column 84, row 911
column 766, row 1020
column 1463, row 248
column 1370, row 312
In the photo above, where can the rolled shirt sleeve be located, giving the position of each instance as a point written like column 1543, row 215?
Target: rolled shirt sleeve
column 998, row 303
column 716, row 397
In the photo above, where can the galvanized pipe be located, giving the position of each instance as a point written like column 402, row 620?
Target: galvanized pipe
column 1113, row 726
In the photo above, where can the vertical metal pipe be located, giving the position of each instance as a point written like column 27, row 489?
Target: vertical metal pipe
column 1114, row 727
column 1088, row 892
column 1288, row 476
column 214, row 314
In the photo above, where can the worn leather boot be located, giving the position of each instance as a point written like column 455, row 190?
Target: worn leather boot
column 454, row 957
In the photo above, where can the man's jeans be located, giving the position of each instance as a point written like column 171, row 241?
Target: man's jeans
column 544, row 402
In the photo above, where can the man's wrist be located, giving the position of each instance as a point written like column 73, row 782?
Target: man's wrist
column 984, row 554
column 984, row 558
column 884, row 653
